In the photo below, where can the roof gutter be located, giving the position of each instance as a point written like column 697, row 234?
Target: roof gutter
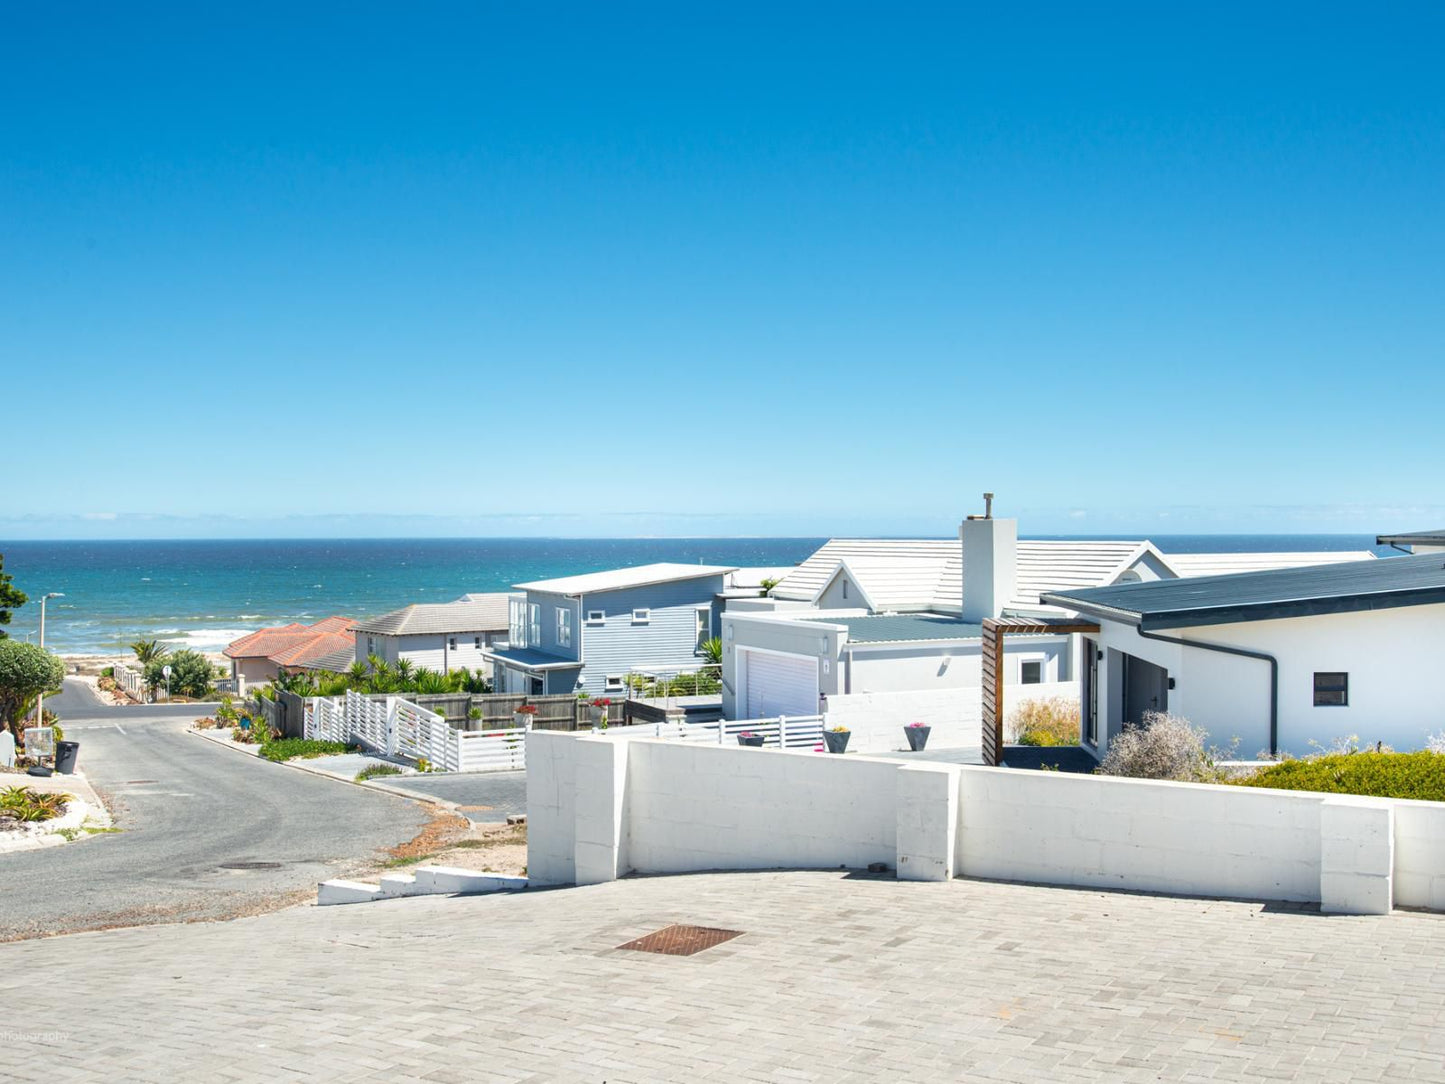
column 1228, row 650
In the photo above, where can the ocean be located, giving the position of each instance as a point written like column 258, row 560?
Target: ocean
column 204, row 594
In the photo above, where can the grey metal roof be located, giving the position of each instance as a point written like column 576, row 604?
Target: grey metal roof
column 1344, row 587
column 531, row 659
column 903, row 628
column 478, row 613
column 1422, row 538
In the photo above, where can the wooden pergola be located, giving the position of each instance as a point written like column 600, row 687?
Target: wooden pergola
column 994, row 630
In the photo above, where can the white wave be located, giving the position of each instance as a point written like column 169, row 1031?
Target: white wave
column 207, row 639
column 248, row 617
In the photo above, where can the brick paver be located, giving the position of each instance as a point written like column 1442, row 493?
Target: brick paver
column 837, row 977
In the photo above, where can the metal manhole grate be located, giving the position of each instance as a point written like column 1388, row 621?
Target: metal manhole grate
column 681, row 940
column 250, row 865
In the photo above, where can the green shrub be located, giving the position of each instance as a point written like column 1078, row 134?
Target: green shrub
column 291, row 748
column 190, row 674
column 1050, row 722
column 1378, row 775
column 25, row 804
column 371, row 771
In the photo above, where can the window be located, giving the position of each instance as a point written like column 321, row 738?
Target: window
column 641, row 617
column 370, row 645
column 845, row 587
column 704, row 625
column 477, row 642
column 1031, row 672
column 596, row 617
column 1332, row 689
column 517, row 623
column 534, row 614
column 614, row 683
column 564, row 627
column 451, row 643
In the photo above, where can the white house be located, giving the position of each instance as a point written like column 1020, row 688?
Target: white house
column 1275, row 659
column 867, row 616
column 904, row 616
column 442, row 636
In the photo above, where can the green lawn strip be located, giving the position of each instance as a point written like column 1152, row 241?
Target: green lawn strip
column 371, row 771
column 290, row 748
column 1377, row 775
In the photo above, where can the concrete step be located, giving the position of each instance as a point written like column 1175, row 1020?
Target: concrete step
column 450, row 880
column 399, row 884
column 426, row 881
column 332, row 892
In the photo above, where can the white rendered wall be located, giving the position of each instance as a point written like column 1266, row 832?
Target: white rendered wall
column 600, row 807
column 1182, row 838
column 702, row 807
column 551, row 807
column 955, row 714
column 1420, row 854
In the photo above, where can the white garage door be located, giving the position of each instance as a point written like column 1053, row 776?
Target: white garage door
column 779, row 684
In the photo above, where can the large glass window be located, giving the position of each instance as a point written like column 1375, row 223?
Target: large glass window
column 535, row 623
column 564, row 627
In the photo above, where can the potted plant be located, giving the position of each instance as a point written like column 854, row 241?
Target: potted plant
column 599, row 711
column 837, row 739
column 917, row 735
column 525, row 715
column 747, row 737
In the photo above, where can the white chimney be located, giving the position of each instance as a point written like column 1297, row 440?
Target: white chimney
column 990, row 563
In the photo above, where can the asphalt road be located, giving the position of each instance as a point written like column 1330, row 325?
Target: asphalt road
column 79, row 701
column 188, row 809
column 481, row 797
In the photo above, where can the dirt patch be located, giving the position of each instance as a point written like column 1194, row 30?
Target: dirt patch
column 489, row 848
column 444, row 829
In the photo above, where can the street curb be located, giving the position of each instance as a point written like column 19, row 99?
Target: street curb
column 395, row 792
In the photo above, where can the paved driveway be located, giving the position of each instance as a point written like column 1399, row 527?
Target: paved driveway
column 835, row 978
column 190, row 811
column 482, row 797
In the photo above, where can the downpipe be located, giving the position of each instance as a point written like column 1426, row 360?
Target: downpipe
column 1226, row 650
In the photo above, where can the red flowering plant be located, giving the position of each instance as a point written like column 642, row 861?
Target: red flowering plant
column 602, row 702
column 527, row 709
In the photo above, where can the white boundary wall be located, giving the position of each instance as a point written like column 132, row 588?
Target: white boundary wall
column 956, row 715
column 600, row 807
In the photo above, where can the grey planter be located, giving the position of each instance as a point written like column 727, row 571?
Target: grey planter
column 754, row 740
column 917, row 736
column 836, row 740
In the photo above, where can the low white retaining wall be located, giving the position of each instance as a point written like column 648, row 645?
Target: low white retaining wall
column 602, row 806
column 877, row 719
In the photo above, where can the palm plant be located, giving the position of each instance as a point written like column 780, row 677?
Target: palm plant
column 712, row 650
column 404, row 669
column 357, row 674
column 149, row 651
column 429, row 681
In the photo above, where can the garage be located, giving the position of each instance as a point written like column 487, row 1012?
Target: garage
column 775, row 684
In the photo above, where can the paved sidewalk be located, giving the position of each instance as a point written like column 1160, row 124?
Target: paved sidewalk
column 836, row 978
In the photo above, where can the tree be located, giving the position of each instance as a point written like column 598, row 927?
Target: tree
column 10, row 597
column 26, row 671
column 149, row 651
column 190, row 673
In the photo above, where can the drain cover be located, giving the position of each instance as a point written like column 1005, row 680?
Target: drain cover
column 681, row 940
column 250, row 865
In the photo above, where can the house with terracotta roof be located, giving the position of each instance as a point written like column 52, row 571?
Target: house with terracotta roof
column 259, row 657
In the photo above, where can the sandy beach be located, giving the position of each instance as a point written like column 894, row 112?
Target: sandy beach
column 92, row 665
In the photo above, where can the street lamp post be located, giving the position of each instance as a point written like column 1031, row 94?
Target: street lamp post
column 40, row 700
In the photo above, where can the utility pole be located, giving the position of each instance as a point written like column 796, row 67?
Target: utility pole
column 40, row 700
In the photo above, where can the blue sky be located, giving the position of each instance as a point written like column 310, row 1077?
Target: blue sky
column 775, row 269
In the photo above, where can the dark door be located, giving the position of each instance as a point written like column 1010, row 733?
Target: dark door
column 1146, row 690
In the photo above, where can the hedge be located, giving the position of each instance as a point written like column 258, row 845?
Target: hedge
column 1378, row 775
